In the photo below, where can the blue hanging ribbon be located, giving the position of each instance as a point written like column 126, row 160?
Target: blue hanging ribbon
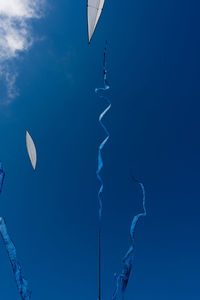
column 22, row 284
column 123, row 277
column 100, row 160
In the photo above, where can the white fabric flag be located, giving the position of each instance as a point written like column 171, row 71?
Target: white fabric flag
column 94, row 10
column 31, row 150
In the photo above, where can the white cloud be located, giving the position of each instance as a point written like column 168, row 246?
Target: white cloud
column 15, row 33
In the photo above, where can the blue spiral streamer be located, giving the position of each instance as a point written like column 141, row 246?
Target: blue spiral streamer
column 99, row 91
column 100, row 160
column 123, row 277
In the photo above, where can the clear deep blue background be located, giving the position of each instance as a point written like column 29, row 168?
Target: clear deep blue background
column 52, row 215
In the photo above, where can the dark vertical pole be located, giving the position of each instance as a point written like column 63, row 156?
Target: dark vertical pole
column 99, row 263
column 100, row 161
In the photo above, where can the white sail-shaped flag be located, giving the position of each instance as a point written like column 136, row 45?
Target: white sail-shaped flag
column 31, row 150
column 94, row 10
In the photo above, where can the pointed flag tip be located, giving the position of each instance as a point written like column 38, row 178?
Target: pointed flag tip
column 31, row 149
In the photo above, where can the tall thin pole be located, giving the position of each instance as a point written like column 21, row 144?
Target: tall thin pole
column 100, row 160
column 100, row 263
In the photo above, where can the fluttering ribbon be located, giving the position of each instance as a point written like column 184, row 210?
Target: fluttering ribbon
column 22, row 284
column 100, row 160
column 123, row 277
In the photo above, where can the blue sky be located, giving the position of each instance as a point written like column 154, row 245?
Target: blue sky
column 52, row 214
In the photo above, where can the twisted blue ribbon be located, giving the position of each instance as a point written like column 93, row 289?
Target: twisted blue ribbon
column 123, row 277
column 100, row 160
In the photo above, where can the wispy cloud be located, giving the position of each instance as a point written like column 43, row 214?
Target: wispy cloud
column 15, row 35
